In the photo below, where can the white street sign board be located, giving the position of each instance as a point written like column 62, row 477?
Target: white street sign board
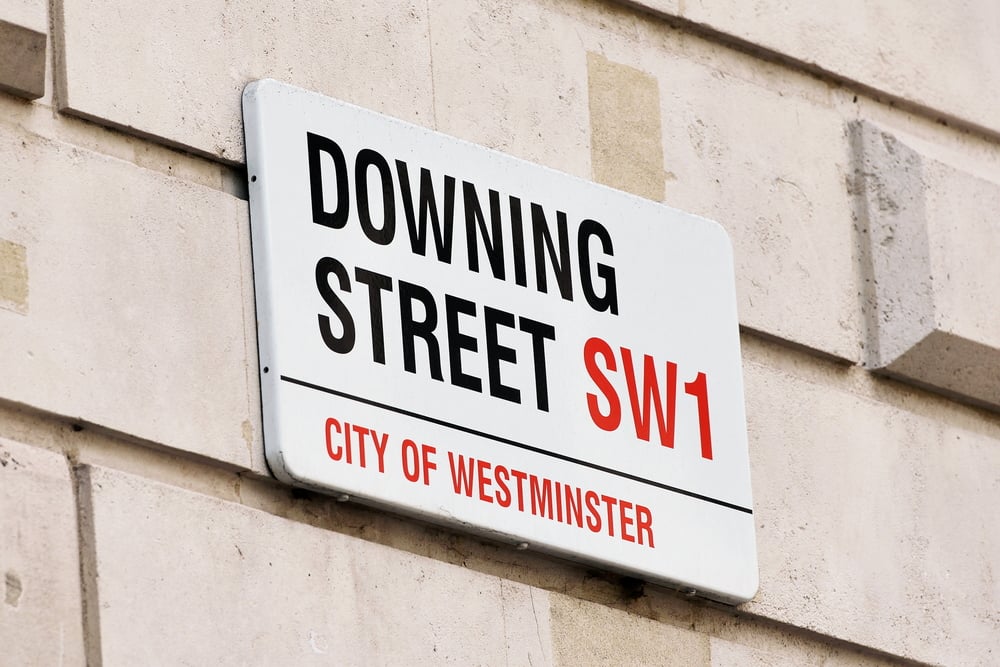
column 454, row 333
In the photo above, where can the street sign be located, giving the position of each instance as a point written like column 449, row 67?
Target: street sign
column 453, row 333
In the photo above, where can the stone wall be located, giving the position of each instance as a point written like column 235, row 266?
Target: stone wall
column 852, row 154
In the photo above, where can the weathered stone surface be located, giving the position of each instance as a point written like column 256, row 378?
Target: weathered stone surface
column 22, row 54
column 40, row 611
column 242, row 586
column 943, row 58
column 31, row 14
column 764, row 651
column 873, row 520
column 177, row 70
column 626, row 140
column 511, row 76
column 133, row 313
column 585, row 633
column 731, row 654
column 13, row 276
column 769, row 164
column 932, row 300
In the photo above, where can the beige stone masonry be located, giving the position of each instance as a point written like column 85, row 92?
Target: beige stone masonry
column 23, row 37
column 40, row 611
column 176, row 70
column 930, row 239
column 944, row 58
column 13, row 277
column 242, row 586
column 772, row 173
column 584, row 633
column 508, row 76
column 626, row 141
column 793, row 651
column 139, row 299
column 769, row 164
column 874, row 511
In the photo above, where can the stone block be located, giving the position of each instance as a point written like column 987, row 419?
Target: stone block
column 40, row 611
column 874, row 519
column 585, row 633
column 769, row 165
column 13, row 276
column 244, row 587
column 947, row 60
column 511, row 76
column 22, row 59
column 772, row 174
column 932, row 302
column 176, row 71
column 129, row 301
column 626, row 139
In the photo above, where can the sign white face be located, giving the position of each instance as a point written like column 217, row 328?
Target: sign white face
column 454, row 333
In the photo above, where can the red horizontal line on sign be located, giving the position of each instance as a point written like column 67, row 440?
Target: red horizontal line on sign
column 515, row 443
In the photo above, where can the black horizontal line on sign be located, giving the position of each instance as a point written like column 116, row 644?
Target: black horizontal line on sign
column 515, row 443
